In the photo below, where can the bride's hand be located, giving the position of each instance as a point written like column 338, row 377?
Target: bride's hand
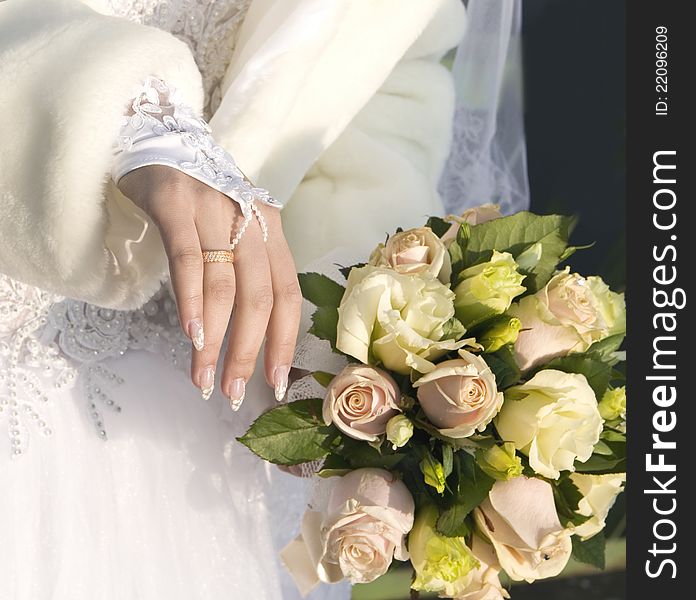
column 261, row 285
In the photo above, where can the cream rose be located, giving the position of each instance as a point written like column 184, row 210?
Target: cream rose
column 553, row 419
column 473, row 216
column 399, row 431
column 568, row 315
column 403, row 321
column 360, row 400
column 599, row 494
column 519, row 518
column 363, row 528
column 460, row 396
column 414, row 251
column 487, row 289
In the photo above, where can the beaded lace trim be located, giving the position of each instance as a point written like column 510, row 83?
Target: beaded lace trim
column 163, row 130
column 49, row 344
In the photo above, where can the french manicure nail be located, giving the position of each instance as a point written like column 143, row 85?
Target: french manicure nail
column 207, row 382
column 280, row 381
column 195, row 331
column 237, row 390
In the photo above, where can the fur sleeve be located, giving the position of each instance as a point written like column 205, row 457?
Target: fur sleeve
column 342, row 109
column 383, row 170
column 66, row 74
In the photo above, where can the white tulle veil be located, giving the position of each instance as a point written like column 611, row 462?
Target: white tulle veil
column 487, row 162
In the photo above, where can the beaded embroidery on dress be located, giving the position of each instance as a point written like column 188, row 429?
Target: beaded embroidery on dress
column 48, row 343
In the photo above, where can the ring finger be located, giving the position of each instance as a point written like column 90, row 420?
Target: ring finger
column 219, row 286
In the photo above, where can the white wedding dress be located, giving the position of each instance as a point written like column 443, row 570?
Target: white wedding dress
column 117, row 482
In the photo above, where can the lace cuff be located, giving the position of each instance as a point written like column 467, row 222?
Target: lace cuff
column 160, row 130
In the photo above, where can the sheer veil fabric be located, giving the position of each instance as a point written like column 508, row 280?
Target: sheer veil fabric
column 488, row 161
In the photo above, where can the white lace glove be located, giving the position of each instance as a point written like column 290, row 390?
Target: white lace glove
column 160, row 130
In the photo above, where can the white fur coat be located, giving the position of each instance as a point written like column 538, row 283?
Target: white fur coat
column 338, row 106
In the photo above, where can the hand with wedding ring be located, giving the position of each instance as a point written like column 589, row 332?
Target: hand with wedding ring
column 260, row 284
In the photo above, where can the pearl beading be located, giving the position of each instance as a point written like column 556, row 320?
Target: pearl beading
column 164, row 131
column 48, row 344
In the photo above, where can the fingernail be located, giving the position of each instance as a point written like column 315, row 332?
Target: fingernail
column 237, row 390
column 195, row 331
column 280, row 381
column 207, row 382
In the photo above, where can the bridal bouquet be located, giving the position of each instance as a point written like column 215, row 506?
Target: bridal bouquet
column 478, row 425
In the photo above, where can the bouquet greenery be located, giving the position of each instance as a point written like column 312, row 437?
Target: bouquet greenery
column 479, row 423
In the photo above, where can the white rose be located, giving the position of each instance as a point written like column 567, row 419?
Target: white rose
column 364, row 526
column 554, row 422
column 519, row 518
column 414, row 251
column 599, row 494
column 568, row 315
column 398, row 320
column 399, row 431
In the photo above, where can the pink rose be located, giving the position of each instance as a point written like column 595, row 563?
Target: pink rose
column 360, row 400
column 414, row 251
column 568, row 315
column 472, row 216
column 361, row 530
column 520, row 520
column 460, row 395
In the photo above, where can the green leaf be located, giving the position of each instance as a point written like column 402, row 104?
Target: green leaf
column 345, row 271
column 567, row 497
column 457, row 258
column 570, row 250
column 439, row 226
column 452, row 522
column 504, row 367
column 611, row 435
column 470, row 486
column 604, row 350
column 453, row 330
column 291, row 434
column 323, row 378
column 602, row 449
column 597, row 373
column 447, row 459
column 321, row 290
column 602, row 464
column 473, row 441
column 334, row 466
column 325, row 324
column 591, row 552
column 517, row 233
column 361, row 455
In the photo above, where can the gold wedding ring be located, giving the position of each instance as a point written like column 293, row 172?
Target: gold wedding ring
column 218, row 256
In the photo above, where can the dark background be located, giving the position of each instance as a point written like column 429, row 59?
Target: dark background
column 575, row 96
column 574, row 73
